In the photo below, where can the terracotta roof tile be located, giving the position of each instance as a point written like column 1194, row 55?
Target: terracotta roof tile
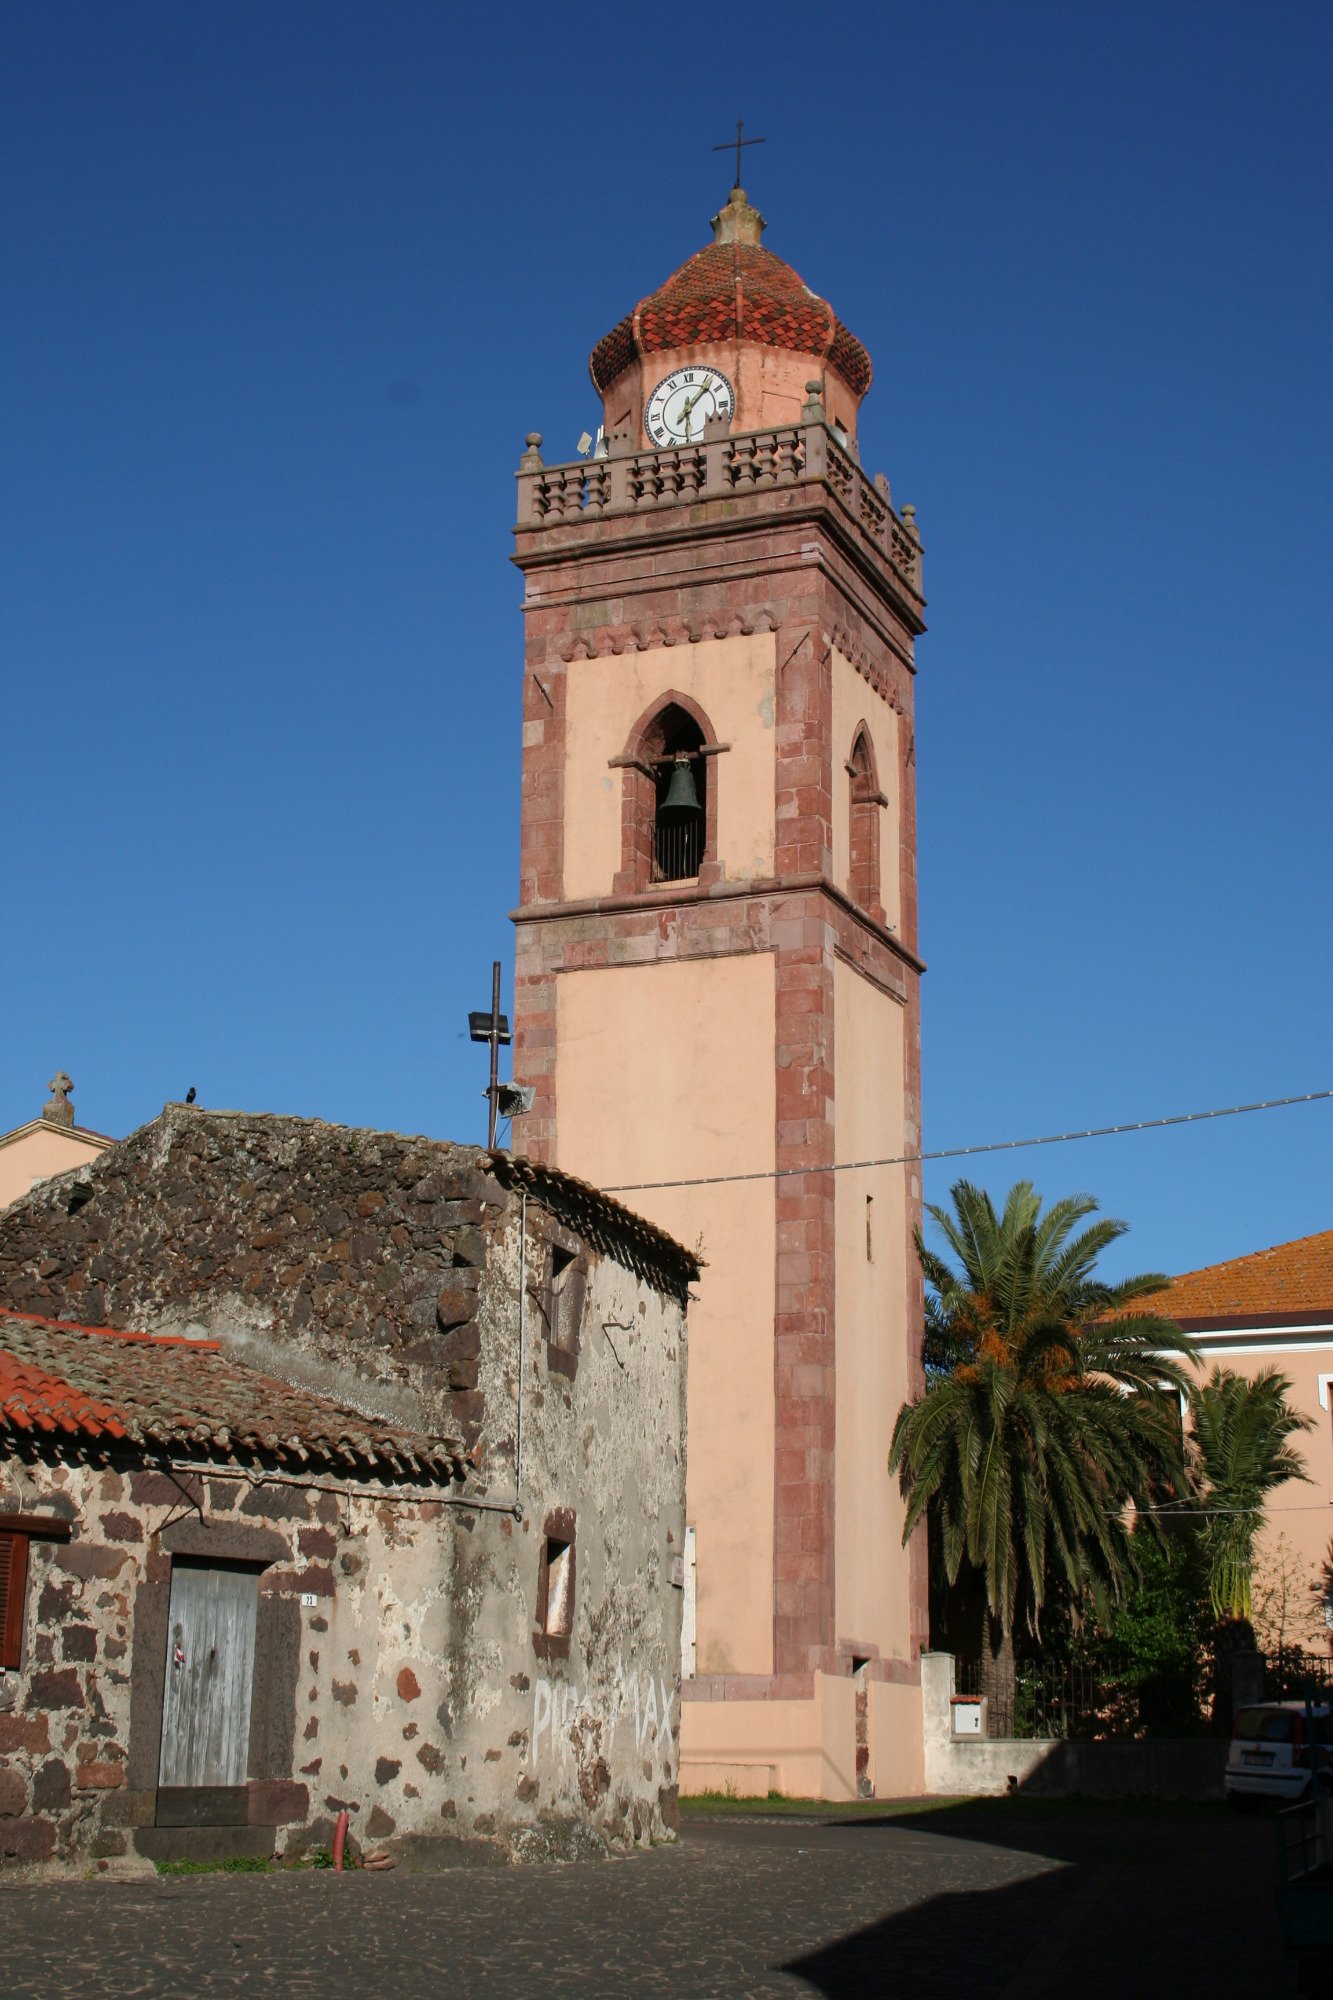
column 96, row 1383
column 1294, row 1277
column 733, row 291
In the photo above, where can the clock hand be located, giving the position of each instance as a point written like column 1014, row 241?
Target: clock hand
column 703, row 387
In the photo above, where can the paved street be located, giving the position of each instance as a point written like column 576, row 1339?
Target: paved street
column 1103, row 1902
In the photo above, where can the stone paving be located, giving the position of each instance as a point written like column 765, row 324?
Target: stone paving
column 989, row 1902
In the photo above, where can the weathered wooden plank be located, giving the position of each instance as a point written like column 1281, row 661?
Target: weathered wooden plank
column 210, row 1674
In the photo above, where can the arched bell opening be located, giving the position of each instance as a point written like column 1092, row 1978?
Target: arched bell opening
column 680, row 807
column 669, row 802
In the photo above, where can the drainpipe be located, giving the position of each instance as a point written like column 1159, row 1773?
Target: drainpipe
column 522, row 1325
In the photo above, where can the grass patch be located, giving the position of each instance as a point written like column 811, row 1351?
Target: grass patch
column 718, row 1805
column 775, row 1805
column 235, row 1864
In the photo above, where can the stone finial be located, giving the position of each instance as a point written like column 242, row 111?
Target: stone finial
column 738, row 222
column 59, row 1111
column 531, row 460
column 909, row 522
column 812, row 410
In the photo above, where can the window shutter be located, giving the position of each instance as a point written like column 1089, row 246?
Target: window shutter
column 13, row 1591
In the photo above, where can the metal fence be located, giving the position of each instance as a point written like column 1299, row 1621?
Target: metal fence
column 1055, row 1699
column 1293, row 1673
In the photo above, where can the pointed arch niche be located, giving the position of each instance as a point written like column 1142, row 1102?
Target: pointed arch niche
column 865, row 804
column 673, row 731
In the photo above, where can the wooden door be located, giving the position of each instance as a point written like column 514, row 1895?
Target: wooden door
column 210, row 1672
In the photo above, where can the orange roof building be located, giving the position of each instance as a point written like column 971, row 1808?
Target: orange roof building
column 1289, row 1284
column 1274, row 1309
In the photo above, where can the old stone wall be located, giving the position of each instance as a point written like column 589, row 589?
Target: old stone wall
column 418, row 1689
column 335, row 1258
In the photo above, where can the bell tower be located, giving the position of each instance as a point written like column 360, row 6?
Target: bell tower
column 717, row 980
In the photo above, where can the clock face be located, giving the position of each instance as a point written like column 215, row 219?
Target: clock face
column 682, row 403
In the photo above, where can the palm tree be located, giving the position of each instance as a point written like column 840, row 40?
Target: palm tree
column 1042, row 1418
column 1239, row 1432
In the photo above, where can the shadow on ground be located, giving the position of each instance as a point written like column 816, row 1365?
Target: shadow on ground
column 1133, row 1899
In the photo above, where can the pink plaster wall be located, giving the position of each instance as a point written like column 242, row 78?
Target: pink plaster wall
column 872, row 1584
column 770, row 385
column 668, row 1070
column 37, row 1151
column 732, row 680
column 1301, row 1511
column 804, row 1749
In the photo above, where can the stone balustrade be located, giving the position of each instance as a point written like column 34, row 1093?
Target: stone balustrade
column 721, row 466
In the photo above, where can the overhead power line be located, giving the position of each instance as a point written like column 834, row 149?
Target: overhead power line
column 966, row 1152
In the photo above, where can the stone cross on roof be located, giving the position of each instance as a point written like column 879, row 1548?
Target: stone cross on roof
column 59, row 1111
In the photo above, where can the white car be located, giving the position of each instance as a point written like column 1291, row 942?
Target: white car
column 1282, row 1750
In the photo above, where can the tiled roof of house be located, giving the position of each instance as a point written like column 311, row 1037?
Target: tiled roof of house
column 167, row 1392
column 732, row 291
column 1292, row 1278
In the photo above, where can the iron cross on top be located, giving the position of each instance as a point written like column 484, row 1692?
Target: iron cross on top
column 738, row 142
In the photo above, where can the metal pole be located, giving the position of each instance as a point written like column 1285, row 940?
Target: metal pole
column 494, row 1092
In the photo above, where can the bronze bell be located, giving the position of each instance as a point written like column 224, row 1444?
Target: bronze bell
column 682, row 793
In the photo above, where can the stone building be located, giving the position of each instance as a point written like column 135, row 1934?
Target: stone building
column 337, row 1470
column 718, row 900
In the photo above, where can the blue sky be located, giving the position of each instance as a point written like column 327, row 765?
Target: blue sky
column 289, row 284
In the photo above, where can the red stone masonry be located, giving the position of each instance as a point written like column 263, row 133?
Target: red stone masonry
column 794, row 560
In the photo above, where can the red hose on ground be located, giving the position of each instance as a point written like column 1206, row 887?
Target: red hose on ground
column 339, row 1839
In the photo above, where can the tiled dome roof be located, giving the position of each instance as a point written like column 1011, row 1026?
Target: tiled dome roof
column 731, row 290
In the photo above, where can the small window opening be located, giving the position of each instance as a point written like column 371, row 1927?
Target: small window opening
column 860, row 1661
column 564, row 1275
column 870, row 1229
column 562, row 1305
column 13, row 1597
column 559, row 1620
column 17, row 1532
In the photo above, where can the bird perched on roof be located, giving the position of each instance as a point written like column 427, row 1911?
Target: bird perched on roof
column 189, row 1095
